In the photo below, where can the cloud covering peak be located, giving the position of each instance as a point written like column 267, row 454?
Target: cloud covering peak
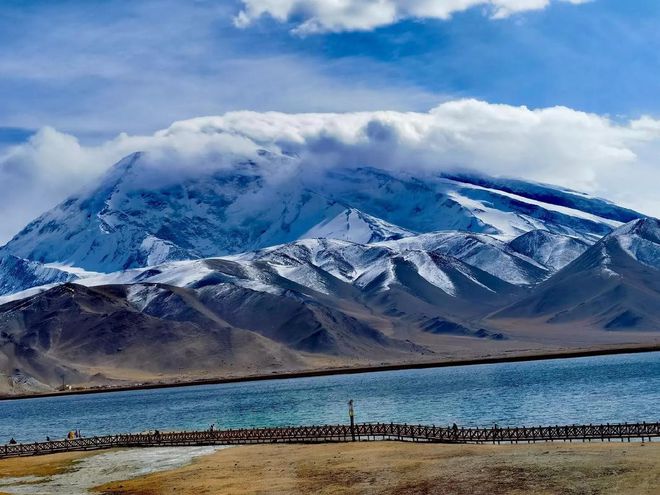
column 319, row 16
column 557, row 145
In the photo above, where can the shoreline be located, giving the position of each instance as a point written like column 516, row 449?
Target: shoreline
column 401, row 468
column 391, row 468
column 589, row 352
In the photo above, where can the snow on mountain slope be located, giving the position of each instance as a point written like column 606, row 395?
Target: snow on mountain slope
column 17, row 274
column 613, row 285
column 126, row 221
column 636, row 243
column 641, row 241
column 431, row 269
column 353, row 225
column 342, row 259
column 333, row 268
column 479, row 250
column 370, row 266
column 455, row 279
column 512, row 215
column 137, row 216
column 418, row 204
column 549, row 195
column 553, row 251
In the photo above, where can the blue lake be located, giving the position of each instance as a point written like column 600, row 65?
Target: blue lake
column 581, row 390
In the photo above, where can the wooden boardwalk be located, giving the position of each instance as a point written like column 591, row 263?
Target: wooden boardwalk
column 343, row 433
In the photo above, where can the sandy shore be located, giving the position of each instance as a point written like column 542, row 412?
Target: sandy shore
column 47, row 465
column 355, row 369
column 410, row 469
column 79, row 473
column 37, row 467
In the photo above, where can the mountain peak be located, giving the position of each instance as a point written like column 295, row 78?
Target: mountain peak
column 647, row 228
column 640, row 240
column 143, row 212
column 549, row 249
column 354, row 225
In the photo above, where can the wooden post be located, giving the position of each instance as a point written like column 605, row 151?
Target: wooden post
column 351, row 415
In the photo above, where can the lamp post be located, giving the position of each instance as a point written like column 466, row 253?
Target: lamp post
column 351, row 415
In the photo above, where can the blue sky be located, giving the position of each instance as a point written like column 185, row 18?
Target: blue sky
column 96, row 68
column 85, row 82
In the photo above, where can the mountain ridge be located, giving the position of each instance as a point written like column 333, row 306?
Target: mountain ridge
column 132, row 218
column 231, row 269
column 608, row 286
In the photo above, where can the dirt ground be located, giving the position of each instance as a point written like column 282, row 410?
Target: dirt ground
column 450, row 352
column 412, row 469
column 43, row 465
column 47, row 465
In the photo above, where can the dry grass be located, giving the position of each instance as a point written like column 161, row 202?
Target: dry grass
column 412, row 469
column 46, row 465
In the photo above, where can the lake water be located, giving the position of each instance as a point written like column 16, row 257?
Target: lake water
column 564, row 391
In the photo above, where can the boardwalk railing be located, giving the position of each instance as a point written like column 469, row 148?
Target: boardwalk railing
column 342, row 433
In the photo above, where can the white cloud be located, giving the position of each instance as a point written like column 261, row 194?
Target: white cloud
column 117, row 68
column 588, row 152
column 318, row 16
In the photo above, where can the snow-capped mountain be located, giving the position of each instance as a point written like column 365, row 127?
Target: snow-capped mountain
column 218, row 270
column 287, row 306
column 132, row 217
column 436, row 203
column 353, row 225
column 299, row 304
column 613, row 285
column 550, row 194
column 321, row 264
column 640, row 240
column 479, row 250
column 553, row 251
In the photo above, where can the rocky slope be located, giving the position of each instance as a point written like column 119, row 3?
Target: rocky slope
column 232, row 270
column 614, row 285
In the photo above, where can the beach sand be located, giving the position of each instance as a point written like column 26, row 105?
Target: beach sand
column 78, row 473
column 411, row 469
column 46, row 465
column 39, row 466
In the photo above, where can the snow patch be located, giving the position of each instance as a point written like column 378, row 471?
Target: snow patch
column 430, row 271
column 356, row 226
